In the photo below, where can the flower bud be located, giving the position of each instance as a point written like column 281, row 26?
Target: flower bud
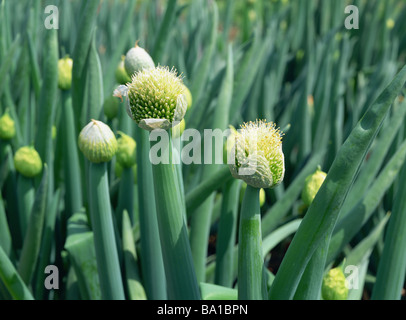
column 156, row 98
column 125, row 155
column 258, row 156
column 28, row 162
column 312, row 185
column 7, row 127
column 122, row 76
column 65, row 73
column 334, row 285
column 110, row 107
column 97, row 142
column 137, row 59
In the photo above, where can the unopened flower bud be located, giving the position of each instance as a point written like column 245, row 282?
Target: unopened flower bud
column 334, row 285
column 137, row 59
column 126, row 147
column 28, row 162
column 97, row 142
column 312, row 185
column 7, row 127
column 65, row 73
column 122, row 76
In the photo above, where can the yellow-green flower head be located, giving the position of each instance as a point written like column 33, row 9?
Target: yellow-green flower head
column 65, row 73
column 126, row 148
column 28, row 162
column 312, row 185
column 258, row 155
column 188, row 95
column 97, row 142
column 156, row 98
column 122, row 76
column 110, row 107
column 7, row 127
column 137, row 59
column 334, row 285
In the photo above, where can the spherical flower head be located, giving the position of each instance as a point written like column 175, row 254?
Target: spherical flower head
column 137, row 59
column 28, row 162
column 156, row 98
column 7, row 127
column 110, row 107
column 97, row 142
column 126, row 148
column 65, row 73
column 258, row 156
column 312, row 185
column 334, row 285
column 122, row 76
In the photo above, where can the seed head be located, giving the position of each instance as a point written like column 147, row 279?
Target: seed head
column 334, row 285
column 7, row 127
column 312, row 185
column 126, row 148
column 156, row 98
column 28, row 162
column 97, row 142
column 258, row 156
column 65, row 73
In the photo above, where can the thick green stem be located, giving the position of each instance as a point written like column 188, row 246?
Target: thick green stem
column 104, row 238
column 151, row 263
column 250, row 261
column 26, row 194
column 179, row 269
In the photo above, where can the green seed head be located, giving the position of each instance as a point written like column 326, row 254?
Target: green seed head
column 334, row 285
column 110, row 107
column 28, row 162
column 137, row 59
column 7, row 127
column 258, row 156
column 122, row 76
column 65, row 73
column 126, row 148
column 97, row 142
column 312, row 185
column 156, row 98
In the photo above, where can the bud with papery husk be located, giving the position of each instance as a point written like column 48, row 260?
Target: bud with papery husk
column 137, row 59
column 156, row 98
column 97, row 142
column 126, row 147
column 312, row 185
column 122, row 76
column 28, row 162
column 7, row 127
column 334, row 285
column 65, row 66
column 258, row 156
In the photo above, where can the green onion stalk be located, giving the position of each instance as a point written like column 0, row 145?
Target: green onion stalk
column 259, row 161
column 156, row 102
column 98, row 144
